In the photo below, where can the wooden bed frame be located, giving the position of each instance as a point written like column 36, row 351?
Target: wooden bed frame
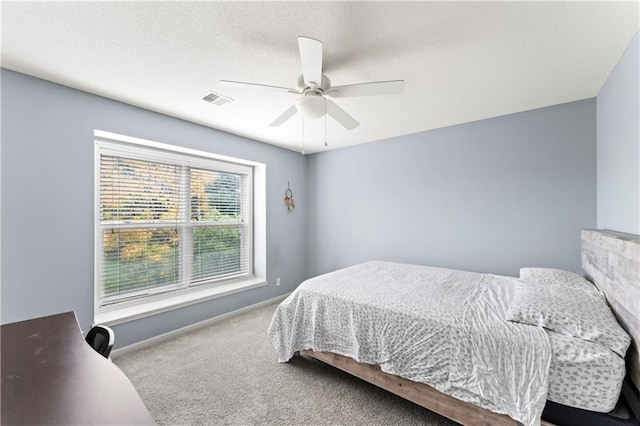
column 610, row 259
column 424, row 395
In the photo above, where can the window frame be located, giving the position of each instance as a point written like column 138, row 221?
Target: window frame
column 175, row 295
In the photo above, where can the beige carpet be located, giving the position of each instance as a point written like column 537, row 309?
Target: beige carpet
column 227, row 373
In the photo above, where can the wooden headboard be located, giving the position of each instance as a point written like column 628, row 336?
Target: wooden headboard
column 612, row 261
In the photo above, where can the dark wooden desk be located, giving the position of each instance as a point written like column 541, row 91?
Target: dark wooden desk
column 50, row 375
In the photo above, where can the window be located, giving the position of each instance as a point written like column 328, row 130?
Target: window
column 169, row 222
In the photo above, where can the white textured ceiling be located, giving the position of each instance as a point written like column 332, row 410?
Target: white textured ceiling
column 461, row 61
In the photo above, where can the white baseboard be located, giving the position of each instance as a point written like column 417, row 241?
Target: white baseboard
column 164, row 336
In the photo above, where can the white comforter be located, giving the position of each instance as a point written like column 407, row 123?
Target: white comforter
column 437, row 326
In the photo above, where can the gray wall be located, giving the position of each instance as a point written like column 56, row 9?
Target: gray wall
column 619, row 145
column 488, row 196
column 47, row 202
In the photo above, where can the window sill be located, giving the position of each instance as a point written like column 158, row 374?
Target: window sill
column 145, row 309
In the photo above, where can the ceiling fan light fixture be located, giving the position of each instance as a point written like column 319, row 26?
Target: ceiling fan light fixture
column 312, row 105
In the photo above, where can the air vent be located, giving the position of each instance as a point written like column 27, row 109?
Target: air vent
column 216, row 98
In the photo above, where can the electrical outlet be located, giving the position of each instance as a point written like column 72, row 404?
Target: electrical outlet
column 277, row 282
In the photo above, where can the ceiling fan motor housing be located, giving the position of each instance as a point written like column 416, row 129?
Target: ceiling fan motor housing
column 313, row 103
column 303, row 87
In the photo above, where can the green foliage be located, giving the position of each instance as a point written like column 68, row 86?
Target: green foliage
column 136, row 259
column 216, row 251
column 215, row 196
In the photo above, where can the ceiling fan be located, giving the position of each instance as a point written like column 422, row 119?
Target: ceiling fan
column 315, row 87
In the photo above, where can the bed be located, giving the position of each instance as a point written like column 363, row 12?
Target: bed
column 450, row 341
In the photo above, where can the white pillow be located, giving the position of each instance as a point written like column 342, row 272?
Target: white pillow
column 568, row 310
column 549, row 276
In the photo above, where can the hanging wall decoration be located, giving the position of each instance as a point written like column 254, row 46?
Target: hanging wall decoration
column 288, row 199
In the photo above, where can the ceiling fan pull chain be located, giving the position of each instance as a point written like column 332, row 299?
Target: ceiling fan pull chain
column 325, row 123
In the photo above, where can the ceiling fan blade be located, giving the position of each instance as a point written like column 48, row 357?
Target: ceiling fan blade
column 341, row 116
column 391, row 87
column 311, row 58
column 230, row 83
column 290, row 112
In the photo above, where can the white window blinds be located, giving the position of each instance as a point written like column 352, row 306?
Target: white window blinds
column 218, row 218
column 170, row 221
